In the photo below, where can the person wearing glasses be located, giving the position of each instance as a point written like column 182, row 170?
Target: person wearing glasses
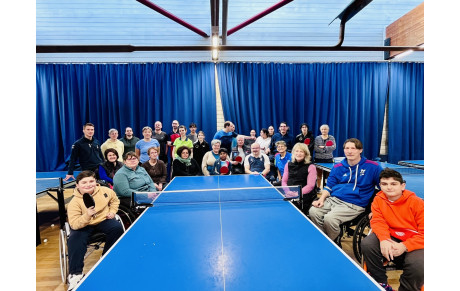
column 131, row 178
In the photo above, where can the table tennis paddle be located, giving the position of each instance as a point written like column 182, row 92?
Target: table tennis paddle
column 238, row 159
column 307, row 141
column 329, row 143
column 224, row 170
column 88, row 200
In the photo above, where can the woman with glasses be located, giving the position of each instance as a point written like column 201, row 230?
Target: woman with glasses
column 131, row 178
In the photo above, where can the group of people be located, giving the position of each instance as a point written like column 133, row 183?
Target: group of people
column 397, row 213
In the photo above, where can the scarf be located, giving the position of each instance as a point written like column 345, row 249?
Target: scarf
column 185, row 161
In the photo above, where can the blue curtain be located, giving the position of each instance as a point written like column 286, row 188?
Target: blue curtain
column 405, row 112
column 349, row 97
column 117, row 96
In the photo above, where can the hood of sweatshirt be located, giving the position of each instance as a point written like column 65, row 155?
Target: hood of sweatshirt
column 405, row 195
column 358, row 165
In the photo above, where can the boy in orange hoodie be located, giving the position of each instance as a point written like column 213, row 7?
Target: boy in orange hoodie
column 397, row 233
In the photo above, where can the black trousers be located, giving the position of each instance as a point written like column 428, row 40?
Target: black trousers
column 413, row 270
column 78, row 242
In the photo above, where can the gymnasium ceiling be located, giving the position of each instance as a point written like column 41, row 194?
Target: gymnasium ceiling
column 298, row 24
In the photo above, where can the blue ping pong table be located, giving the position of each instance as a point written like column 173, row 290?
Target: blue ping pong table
column 414, row 177
column 251, row 245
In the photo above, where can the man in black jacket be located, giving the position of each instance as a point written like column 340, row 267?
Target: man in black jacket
column 87, row 150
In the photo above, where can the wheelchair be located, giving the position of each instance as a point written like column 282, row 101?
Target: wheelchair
column 126, row 214
column 357, row 228
column 94, row 243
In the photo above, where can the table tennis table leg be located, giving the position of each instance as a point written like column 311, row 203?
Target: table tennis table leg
column 39, row 240
column 61, row 203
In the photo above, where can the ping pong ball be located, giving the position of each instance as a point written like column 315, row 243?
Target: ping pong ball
column 45, row 240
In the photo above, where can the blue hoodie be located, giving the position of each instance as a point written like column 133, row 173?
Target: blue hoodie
column 354, row 184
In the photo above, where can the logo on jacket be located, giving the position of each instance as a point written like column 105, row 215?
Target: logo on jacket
column 363, row 171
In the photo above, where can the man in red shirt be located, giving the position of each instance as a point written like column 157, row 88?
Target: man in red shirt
column 397, row 233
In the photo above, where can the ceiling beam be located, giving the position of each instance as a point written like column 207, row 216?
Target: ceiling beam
column 173, row 17
column 131, row 48
column 258, row 16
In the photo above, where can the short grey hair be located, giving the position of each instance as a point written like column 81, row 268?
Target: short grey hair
column 214, row 141
column 324, row 125
column 112, row 130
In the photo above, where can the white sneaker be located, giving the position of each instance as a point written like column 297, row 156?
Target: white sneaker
column 73, row 281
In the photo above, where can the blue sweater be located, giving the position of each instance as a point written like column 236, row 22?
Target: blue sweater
column 354, row 184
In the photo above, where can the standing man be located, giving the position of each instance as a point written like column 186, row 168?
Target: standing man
column 87, row 150
column 113, row 143
column 256, row 162
column 283, row 135
column 192, row 135
column 129, row 141
column 162, row 137
column 227, row 135
column 349, row 188
column 173, row 135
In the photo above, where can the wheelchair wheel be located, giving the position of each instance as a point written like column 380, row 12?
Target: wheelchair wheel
column 63, row 256
column 362, row 230
column 126, row 216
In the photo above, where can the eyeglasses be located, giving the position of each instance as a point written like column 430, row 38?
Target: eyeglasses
column 132, row 159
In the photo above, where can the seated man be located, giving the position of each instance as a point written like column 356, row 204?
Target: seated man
column 349, row 188
column 397, row 232
column 222, row 162
column 240, row 150
column 256, row 162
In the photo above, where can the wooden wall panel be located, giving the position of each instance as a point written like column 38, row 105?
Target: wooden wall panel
column 407, row 30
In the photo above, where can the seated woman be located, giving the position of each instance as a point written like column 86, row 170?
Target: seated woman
column 184, row 165
column 207, row 165
column 131, row 178
column 107, row 169
column 300, row 171
column 264, row 140
column 156, row 169
column 84, row 221
column 200, row 148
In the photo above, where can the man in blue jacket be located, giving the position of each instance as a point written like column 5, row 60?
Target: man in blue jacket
column 87, row 150
column 349, row 188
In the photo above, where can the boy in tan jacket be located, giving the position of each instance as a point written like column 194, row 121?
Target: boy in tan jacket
column 85, row 221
